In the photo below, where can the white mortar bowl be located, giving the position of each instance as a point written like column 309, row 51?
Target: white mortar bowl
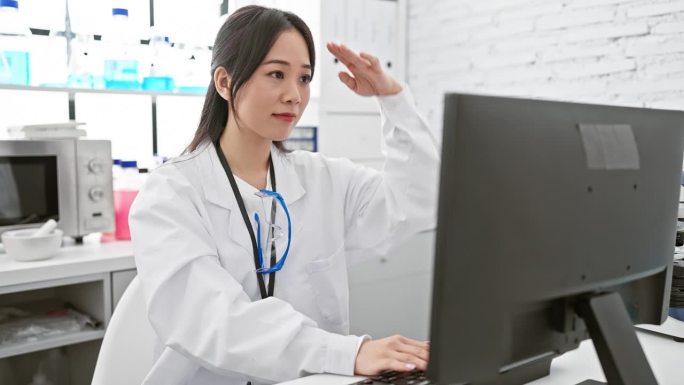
column 21, row 247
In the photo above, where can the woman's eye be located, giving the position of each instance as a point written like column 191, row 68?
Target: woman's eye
column 306, row 79
column 277, row 75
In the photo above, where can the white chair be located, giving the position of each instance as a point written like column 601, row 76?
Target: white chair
column 128, row 345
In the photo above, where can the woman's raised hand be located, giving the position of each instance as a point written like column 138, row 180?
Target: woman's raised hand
column 367, row 77
column 395, row 353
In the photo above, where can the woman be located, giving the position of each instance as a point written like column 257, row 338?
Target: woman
column 199, row 224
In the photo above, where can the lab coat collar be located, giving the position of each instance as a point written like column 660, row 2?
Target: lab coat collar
column 219, row 192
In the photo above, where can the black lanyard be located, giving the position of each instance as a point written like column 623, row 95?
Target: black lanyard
column 245, row 217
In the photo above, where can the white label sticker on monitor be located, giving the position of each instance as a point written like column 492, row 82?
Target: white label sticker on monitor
column 610, row 146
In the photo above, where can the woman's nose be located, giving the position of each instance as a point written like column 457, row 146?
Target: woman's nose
column 292, row 94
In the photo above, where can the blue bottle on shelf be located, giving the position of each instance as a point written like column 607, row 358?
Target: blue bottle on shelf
column 14, row 58
column 121, row 65
column 159, row 74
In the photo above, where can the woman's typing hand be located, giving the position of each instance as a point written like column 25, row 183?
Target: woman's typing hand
column 395, row 353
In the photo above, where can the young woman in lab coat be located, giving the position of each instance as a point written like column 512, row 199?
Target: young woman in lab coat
column 219, row 320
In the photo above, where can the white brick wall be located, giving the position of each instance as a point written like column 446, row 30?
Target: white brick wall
column 624, row 52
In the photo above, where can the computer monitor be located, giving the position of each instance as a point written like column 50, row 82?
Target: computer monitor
column 556, row 224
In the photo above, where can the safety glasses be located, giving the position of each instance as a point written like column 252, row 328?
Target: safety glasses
column 274, row 232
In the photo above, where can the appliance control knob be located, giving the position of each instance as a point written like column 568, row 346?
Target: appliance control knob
column 96, row 194
column 95, row 166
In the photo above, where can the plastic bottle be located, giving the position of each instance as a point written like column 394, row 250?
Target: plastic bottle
column 81, row 66
column 125, row 190
column 159, row 73
column 14, row 35
column 55, row 366
column 116, row 168
column 110, row 236
column 121, row 65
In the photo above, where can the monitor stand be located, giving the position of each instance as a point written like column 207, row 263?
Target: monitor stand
column 615, row 341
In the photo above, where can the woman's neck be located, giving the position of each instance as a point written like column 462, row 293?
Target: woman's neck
column 247, row 154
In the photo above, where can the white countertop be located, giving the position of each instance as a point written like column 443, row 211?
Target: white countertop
column 72, row 260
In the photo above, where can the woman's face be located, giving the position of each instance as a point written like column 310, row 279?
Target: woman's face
column 273, row 100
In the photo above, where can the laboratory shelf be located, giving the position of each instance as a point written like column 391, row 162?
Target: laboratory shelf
column 50, row 311
column 95, row 91
column 88, row 278
column 9, row 350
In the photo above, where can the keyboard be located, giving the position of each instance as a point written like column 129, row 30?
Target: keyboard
column 415, row 377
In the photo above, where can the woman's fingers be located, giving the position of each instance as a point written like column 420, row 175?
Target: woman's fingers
column 366, row 72
column 337, row 52
column 347, row 80
column 409, row 351
column 416, row 352
column 421, row 353
column 411, row 359
column 371, row 59
column 391, row 353
column 334, row 49
column 416, row 343
column 348, row 57
column 353, row 57
column 397, row 365
column 401, row 340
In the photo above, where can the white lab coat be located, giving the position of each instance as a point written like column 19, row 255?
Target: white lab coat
column 196, row 266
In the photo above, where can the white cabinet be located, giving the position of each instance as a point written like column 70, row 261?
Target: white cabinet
column 120, row 281
column 89, row 294
column 89, row 278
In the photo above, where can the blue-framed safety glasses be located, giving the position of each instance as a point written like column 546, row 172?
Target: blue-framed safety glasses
column 273, row 233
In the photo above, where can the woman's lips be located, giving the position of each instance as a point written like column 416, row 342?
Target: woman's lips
column 285, row 117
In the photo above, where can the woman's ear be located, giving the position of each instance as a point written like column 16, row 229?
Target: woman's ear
column 222, row 83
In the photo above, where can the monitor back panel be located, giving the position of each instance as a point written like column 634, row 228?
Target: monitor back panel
column 541, row 201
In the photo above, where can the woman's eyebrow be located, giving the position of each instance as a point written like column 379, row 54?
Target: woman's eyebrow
column 283, row 62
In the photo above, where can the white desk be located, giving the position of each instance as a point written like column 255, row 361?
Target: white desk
column 665, row 356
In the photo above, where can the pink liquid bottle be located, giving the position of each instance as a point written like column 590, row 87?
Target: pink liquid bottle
column 125, row 190
column 110, row 236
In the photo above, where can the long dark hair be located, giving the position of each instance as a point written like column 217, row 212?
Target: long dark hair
column 241, row 45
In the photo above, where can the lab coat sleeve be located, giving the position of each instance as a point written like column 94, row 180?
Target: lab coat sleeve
column 199, row 310
column 383, row 208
